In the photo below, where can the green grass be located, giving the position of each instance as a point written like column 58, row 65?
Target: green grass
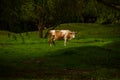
column 93, row 55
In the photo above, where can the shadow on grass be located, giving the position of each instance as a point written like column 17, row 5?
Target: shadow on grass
column 115, row 46
column 75, row 62
column 87, row 55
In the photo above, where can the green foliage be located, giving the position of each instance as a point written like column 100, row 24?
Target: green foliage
column 107, row 15
column 90, row 11
column 27, row 11
column 51, row 12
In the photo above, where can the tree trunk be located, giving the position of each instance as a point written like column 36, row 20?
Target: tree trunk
column 40, row 29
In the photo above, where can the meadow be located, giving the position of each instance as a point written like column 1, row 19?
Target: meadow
column 93, row 55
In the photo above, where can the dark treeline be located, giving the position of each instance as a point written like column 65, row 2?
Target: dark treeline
column 29, row 15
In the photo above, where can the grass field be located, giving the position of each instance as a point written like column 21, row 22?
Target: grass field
column 93, row 55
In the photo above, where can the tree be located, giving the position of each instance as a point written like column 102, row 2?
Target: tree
column 40, row 14
column 113, row 4
column 90, row 11
column 108, row 12
column 9, row 13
